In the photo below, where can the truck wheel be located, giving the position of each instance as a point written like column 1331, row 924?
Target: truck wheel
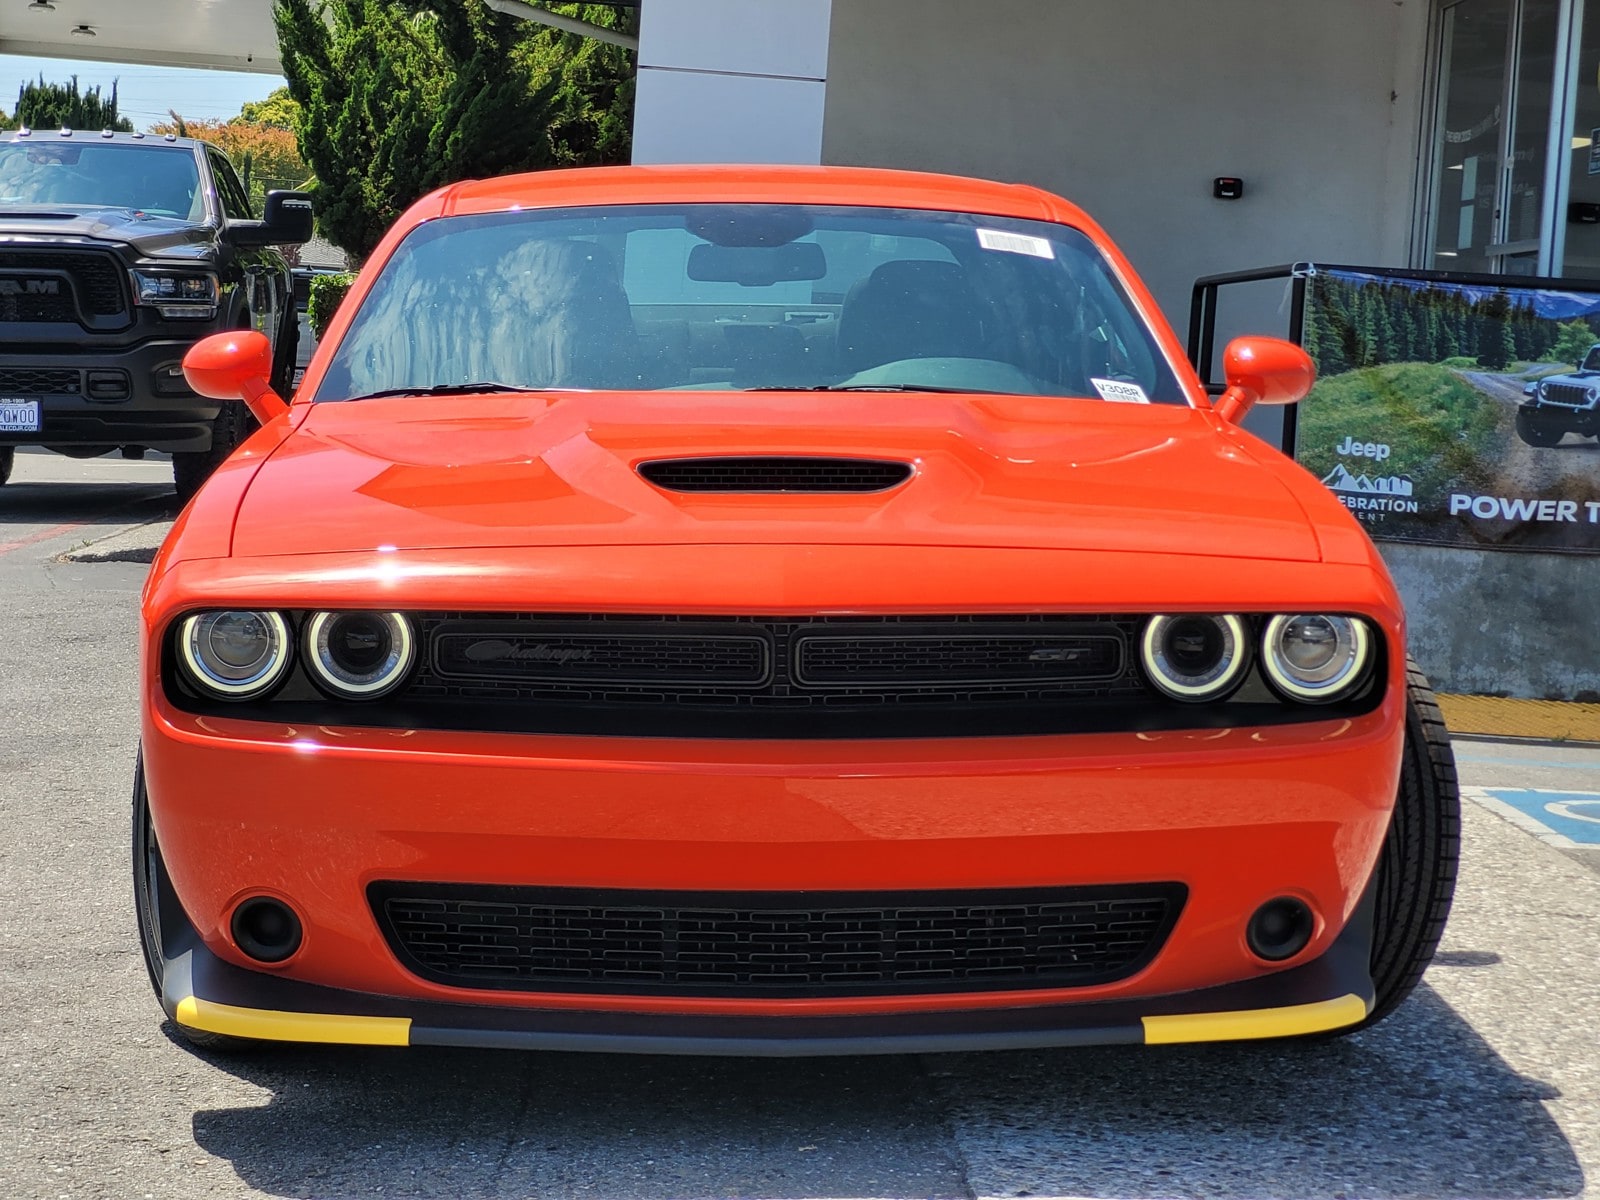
column 8, row 458
column 149, row 882
column 191, row 468
column 1417, row 865
column 1536, row 432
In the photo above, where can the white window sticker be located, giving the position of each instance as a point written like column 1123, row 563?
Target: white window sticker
column 1016, row 243
column 1119, row 391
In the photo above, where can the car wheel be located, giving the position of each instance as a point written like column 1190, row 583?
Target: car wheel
column 8, row 459
column 191, row 468
column 1536, row 432
column 149, row 881
column 1416, row 871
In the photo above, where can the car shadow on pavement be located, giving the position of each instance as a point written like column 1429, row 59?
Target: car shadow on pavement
column 94, row 503
column 1419, row 1106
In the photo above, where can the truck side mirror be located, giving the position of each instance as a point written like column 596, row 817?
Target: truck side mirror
column 286, row 219
column 1263, row 370
column 236, row 365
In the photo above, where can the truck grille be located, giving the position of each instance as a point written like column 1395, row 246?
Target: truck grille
column 773, row 944
column 92, row 276
column 23, row 381
column 1570, row 395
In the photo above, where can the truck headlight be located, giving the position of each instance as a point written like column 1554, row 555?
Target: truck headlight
column 184, row 295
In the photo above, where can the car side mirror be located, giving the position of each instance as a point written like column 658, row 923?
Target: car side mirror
column 236, row 365
column 1263, row 370
column 286, row 219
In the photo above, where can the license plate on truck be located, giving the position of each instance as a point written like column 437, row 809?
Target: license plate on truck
column 19, row 416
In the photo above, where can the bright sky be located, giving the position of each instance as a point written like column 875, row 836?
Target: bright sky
column 143, row 93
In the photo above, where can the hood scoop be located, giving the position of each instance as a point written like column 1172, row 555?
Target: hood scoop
column 723, row 473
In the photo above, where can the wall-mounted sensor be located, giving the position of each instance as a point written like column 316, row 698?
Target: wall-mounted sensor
column 1226, row 187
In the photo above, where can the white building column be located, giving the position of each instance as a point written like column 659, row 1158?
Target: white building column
column 731, row 81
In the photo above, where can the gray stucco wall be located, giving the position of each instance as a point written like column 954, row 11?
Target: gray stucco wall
column 1131, row 107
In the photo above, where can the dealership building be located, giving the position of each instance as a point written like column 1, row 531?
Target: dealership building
column 1440, row 135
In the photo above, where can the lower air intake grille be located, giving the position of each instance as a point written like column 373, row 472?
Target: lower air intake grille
column 764, row 474
column 24, row 381
column 773, row 944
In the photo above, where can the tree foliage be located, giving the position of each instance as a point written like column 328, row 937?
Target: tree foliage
column 265, row 156
column 44, row 105
column 398, row 97
column 277, row 111
column 1351, row 325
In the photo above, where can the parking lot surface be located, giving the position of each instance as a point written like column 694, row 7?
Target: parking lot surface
column 1485, row 1084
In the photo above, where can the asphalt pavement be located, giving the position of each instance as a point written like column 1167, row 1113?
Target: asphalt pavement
column 1485, row 1084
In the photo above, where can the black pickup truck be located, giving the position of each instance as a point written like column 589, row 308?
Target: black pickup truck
column 119, row 251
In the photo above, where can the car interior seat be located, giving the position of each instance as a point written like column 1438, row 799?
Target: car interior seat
column 910, row 309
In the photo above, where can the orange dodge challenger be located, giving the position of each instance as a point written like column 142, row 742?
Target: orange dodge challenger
column 773, row 611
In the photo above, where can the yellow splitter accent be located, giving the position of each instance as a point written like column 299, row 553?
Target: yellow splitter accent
column 1255, row 1023
column 292, row 1026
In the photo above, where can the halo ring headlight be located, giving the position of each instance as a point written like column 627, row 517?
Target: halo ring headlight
column 1195, row 657
column 235, row 654
column 1315, row 657
column 359, row 655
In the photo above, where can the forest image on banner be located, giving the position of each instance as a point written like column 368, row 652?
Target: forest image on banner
column 1460, row 414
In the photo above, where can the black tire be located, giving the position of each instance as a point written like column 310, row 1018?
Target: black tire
column 191, row 468
column 149, row 876
column 1417, row 865
column 1536, row 432
column 8, row 459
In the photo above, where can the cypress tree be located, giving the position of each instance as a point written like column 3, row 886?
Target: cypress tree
column 61, row 105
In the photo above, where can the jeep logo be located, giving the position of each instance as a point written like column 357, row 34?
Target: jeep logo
column 30, row 287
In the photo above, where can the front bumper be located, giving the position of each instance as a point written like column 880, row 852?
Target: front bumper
column 1334, row 991
column 152, row 409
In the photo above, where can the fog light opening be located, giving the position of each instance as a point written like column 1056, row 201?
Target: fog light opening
column 1280, row 929
column 266, row 929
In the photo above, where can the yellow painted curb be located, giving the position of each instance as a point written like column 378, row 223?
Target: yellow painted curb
column 270, row 1026
column 1255, row 1022
column 1546, row 720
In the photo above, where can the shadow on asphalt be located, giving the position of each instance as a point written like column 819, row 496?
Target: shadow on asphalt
column 1419, row 1106
column 54, row 503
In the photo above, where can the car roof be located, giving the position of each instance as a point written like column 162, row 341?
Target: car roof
column 862, row 186
column 100, row 135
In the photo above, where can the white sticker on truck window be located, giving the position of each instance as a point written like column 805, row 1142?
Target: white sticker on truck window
column 1120, row 391
column 1016, row 243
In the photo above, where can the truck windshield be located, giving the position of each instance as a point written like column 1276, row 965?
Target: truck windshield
column 748, row 297
column 160, row 181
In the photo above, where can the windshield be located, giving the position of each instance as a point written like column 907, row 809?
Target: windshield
column 715, row 297
column 160, row 181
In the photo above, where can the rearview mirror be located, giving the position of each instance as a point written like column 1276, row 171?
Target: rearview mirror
column 757, row 266
column 286, row 219
column 236, row 365
column 1263, row 370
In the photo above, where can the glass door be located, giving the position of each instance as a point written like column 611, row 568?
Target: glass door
column 1498, row 67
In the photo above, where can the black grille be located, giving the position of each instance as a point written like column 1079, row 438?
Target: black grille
column 763, row 474
column 898, row 659
column 21, row 381
column 94, row 277
column 773, row 944
column 1571, row 394
column 572, row 654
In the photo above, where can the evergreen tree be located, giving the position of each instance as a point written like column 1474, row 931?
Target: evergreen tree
column 1496, row 347
column 62, row 106
column 398, row 97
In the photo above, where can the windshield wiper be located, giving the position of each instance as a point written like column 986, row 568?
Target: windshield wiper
column 882, row 387
column 452, row 389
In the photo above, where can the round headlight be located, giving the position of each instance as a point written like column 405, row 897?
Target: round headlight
column 361, row 655
column 1594, row 394
column 1195, row 658
column 234, row 654
column 1314, row 657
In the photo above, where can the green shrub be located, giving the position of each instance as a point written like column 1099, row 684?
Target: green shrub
column 327, row 293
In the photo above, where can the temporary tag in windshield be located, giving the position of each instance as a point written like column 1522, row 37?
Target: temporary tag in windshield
column 1120, row 391
column 1016, row 243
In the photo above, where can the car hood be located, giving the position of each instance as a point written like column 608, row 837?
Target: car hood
column 560, row 470
column 149, row 236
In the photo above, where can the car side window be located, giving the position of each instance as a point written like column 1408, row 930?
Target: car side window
column 235, row 201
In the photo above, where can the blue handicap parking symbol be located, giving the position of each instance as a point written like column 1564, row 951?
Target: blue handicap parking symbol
column 1573, row 815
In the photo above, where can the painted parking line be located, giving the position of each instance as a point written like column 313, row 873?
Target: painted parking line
column 1564, row 819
